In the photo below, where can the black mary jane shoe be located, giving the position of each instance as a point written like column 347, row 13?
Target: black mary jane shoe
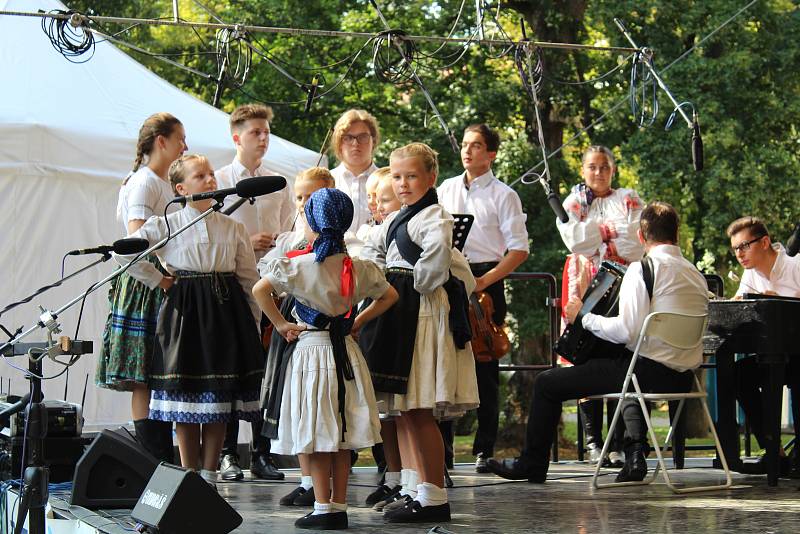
column 414, row 512
column 383, row 492
column 330, row 521
column 288, row 500
column 516, row 469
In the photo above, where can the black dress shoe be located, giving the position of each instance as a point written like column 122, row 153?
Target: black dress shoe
column 229, row 468
column 759, row 467
column 414, row 512
column 635, row 468
column 480, row 464
column 288, row 500
column 516, row 469
column 261, row 466
column 382, row 493
column 331, row 521
column 305, row 499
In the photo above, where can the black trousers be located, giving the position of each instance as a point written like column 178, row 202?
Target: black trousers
column 748, row 393
column 258, row 447
column 592, row 419
column 597, row 376
column 488, row 373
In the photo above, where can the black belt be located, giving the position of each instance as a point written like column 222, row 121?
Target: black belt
column 483, row 266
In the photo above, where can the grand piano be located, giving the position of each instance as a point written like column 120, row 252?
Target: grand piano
column 762, row 325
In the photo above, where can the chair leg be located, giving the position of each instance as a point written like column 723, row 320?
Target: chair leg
column 606, row 445
column 678, row 440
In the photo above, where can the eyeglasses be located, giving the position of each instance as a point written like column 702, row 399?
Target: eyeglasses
column 743, row 247
column 360, row 138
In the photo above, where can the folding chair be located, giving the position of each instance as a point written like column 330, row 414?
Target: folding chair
column 680, row 331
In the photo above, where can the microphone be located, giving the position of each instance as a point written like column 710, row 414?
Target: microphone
column 249, row 187
column 312, row 92
column 697, row 144
column 793, row 245
column 557, row 207
column 129, row 245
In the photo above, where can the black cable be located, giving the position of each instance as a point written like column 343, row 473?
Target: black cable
column 533, row 75
column 591, row 81
column 71, row 41
column 643, row 87
column 393, row 57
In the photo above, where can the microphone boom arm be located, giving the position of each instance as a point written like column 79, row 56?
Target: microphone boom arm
column 53, row 315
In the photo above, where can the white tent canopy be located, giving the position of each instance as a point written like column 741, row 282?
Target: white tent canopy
column 67, row 138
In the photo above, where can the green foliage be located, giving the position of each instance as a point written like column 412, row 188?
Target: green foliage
column 743, row 82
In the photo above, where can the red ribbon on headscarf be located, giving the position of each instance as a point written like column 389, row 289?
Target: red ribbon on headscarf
column 348, row 282
column 294, row 253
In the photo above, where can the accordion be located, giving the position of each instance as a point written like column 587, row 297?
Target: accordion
column 576, row 344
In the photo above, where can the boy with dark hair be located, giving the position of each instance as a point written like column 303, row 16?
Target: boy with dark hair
column 496, row 245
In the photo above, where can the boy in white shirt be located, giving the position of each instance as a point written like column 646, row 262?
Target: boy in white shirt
column 769, row 271
column 270, row 216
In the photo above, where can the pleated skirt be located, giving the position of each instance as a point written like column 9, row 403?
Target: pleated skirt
column 310, row 419
column 442, row 377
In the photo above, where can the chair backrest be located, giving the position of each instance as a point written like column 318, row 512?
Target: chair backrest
column 679, row 330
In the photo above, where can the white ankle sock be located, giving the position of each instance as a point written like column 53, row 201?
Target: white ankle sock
column 393, row 478
column 208, row 475
column 410, row 488
column 322, row 508
column 430, row 494
column 338, row 507
column 305, row 482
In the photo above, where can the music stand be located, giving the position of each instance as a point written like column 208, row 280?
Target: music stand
column 461, row 226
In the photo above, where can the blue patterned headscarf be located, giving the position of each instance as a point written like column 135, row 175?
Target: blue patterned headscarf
column 329, row 213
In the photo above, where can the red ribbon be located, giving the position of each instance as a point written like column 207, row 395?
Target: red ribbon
column 348, row 282
column 294, row 253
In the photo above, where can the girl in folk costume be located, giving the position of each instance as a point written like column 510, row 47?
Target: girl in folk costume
column 129, row 336
column 209, row 360
column 416, row 364
column 603, row 224
column 328, row 405
column 280, row 352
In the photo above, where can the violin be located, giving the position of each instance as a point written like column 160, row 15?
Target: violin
column 489, row 341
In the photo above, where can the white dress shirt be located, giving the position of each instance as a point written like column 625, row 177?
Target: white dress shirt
column 784, row 278
column 499, row 220
column 677, row 287
column 432, row 230
column 356, row 189
column 143, row 195
column 319, row 285
column 273, row 213
column 214, row 244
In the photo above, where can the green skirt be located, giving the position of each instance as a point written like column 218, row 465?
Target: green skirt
column 129, row 336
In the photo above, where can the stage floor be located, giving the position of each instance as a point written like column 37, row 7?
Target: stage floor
column 565, row 503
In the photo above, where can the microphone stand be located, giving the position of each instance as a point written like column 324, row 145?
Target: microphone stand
column 34, row 493
column 105, row 257
column 48, row 318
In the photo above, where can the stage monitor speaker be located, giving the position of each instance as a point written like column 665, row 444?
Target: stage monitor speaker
column 179, row 501
column 112, row 473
